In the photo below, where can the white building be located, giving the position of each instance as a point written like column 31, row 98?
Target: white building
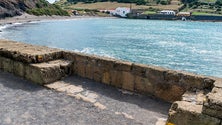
column 168, row 12
column 121, row 11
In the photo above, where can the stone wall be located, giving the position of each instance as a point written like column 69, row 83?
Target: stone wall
column 162, row 83
column 196, row 99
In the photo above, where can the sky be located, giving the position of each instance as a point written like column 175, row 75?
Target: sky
column 51, row 1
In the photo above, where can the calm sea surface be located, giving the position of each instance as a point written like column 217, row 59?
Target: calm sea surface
column 189, row 46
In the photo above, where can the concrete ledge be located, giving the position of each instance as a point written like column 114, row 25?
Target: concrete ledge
column 40, row 73
column 27, row 53
column 163, row 83
column 213, row 104
column 186, row 113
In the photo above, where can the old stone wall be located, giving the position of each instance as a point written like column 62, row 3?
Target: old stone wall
column 166, row 84
column 196, row 99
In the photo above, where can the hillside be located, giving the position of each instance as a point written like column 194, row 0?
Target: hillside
column 10, row 8
column 174, row 5
column 197, row 7
column 203, row 7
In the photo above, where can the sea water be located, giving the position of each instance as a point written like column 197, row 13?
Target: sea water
column 189, row 46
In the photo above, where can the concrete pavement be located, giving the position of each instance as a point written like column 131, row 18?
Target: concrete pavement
column 23, row 102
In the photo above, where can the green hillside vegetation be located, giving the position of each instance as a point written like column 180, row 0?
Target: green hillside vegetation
column 197, row 7
column 203, row 7
column 44, row 8
column 138, row 2
column 151, row 5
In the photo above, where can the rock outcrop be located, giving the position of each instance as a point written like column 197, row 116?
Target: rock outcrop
column 10, row 8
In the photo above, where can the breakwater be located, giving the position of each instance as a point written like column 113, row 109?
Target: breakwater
column 175, row 17
column 196, row 99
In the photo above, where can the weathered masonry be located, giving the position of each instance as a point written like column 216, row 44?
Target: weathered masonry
column 196, row 99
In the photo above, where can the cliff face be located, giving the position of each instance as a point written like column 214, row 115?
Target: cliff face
column 9, row 8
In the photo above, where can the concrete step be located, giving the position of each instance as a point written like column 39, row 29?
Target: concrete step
column 48, row 72
column 197, row 97
column 27, row 53
column 40, row 73
column 189, row 113
column 213, row 104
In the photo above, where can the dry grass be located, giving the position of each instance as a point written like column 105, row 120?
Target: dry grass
column 113, row 5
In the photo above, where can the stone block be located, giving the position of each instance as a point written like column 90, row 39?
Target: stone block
column 139, row 69
column 1, row 60
column 98, row 74
column 34, row 74
column 155, row 74
column 28, row 53
column 194, row 82
column 89, row 71
column 69, row 55
column 218, row 83
column 213, row 104
column 80, row 69
column 106, row 78
column 143, row 85
column 43, row 73
column 19, row 68
column 169, row 93
column 197, row 97
column 116, row 78
column 105, row 64
column 92, row 62
column 128, row 81
column 7, row 65
column 122, row 66
column 186, row 113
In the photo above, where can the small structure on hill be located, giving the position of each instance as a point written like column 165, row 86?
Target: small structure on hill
column 184, row 14
column 168, row 12
column 121, row 11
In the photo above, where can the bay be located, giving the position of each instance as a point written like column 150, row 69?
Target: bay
column 189, row 46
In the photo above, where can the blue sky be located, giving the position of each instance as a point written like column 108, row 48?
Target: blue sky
column 51, row 1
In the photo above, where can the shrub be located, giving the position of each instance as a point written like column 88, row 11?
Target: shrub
column 218, row 9
column 53, row 10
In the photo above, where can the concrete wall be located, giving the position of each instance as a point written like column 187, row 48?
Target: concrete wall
column 166, row 84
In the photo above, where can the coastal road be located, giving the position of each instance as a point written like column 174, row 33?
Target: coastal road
column 24, row 103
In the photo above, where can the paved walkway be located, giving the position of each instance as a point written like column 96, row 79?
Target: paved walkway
column 22, row 102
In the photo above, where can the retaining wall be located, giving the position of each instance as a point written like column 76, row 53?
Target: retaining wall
column 166, row 84
column 198, row 98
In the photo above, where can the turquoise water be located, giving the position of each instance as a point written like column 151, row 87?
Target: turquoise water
column 188, row 46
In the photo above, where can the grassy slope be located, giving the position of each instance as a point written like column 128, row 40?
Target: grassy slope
column 204, row 9
column 113, row 5
column 175, row 5
column 42, row 7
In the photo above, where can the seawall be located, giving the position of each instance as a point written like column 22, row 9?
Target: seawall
column 196, row 99
column 162, row 83
column 174, row 17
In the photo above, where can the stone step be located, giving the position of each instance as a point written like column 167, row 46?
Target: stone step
column 197, row 97
column 27, row 53
column 189, row 113
column 48, row 72
column 213, row 104
column 40, row 73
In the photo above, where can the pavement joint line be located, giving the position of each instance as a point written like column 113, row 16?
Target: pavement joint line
column 161, row 121
column 70, row 89
column 75, row 91
column 99, row 105
column 56, row 85
column 125, row 115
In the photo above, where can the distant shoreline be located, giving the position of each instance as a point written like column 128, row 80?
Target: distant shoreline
column 25, row 18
